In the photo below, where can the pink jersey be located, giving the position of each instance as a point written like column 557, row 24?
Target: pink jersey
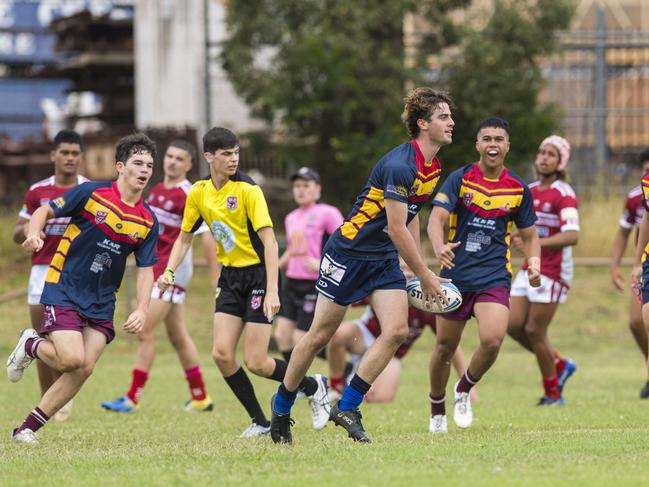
column 307, row 230
column 556, row 210
column 633, row 210
column 40, row 194
column 168, row 204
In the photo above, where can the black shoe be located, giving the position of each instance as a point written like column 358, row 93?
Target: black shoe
column 351, row 421
column 644, row 392
column 280, row 425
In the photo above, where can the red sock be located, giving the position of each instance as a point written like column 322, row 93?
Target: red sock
column 137, row 384
column 551, row 386
column 337, row 384
column 559, row 363
column 196, row 384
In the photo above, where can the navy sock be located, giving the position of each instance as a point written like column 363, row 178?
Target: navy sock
column 284, row 400
column 354, row 394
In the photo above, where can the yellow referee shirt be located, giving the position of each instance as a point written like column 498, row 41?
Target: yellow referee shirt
column 234, row 214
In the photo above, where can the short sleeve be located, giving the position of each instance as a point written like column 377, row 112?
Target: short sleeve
column 449, row 193
column 333, row 220
column 192, row 218
column 525, row 216
column 397, row 180
column 202, row 229
column 146, row 254
column 568, row 213
column 73, row 201
column 257, row 209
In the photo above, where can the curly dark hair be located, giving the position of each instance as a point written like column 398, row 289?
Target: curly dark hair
column 419, row 104
column 134, row 144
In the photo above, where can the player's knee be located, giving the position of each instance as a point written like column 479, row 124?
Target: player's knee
column 397, row 334
column 534, row 334
column 87, row 369
column 255, row 364
column 71, row 363
column 636, row 326
column 444, row 351
column 222, row 358
column 319, row 339
column 491, row 345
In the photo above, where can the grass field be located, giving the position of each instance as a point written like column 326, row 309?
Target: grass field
column 598, row 438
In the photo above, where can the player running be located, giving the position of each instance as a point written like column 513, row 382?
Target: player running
column 307, row 228
column 247, row 299
column 632, row 215
column 479, row 202
column 108, row 221
column 167, row 200
column 532, row 308
column 361, row 259
column 66, row 154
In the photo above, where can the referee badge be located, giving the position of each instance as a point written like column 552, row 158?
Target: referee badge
column 232, row 203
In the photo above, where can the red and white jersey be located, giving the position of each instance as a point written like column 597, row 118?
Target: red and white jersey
column 633, row 209
column 556, row 210
column 40, row 194
column 168, row 204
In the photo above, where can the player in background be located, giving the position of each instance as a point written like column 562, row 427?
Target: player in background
column 361, row 259
column 532, row 308
column 632, row 215
column 66, row 154
column 167, row 200
column 108, row 221
column 479, row 202
column 247, row 299
column 307, row 228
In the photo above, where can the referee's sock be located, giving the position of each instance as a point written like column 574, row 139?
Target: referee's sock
column 245, row 392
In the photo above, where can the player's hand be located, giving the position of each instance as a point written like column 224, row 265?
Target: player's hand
column 135, row 322
column 534, row 271
column 636, row 280
column 432, row 290
column 312, row 263
column 446, row 255
column 166, row 280
column 616, row 278
column 517, row 243
column 33, row 243
column 271, row 305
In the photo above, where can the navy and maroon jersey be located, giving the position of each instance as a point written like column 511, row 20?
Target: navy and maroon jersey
column 39, row 194
column 417, row 321
column 87, row 268
column 403, row 175
column 482, row 212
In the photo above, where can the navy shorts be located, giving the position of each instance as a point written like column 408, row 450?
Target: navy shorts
column 645, row 281
column 346, row 280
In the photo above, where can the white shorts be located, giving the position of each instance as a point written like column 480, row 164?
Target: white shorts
column 36, row 283
column 176, row 293
column 550, row 291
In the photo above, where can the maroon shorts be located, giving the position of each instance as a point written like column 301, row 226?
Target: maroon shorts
column 498, row 294
column 58, row 318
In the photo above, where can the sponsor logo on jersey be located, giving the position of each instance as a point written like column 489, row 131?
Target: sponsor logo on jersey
column 59, row 202
column 467, row 199
column 100, row 217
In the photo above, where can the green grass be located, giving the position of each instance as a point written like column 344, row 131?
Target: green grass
column 598, row 438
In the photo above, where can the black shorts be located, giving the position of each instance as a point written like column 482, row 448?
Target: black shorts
column 241, row 293
column 298, row 302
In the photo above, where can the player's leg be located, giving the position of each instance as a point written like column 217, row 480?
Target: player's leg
column 640, row 336
column 46, row 375
column 347, row 339
column 539, row 320
column 188, row 355
column 459, row 364
column 284, row 329
column 518, row 315
column 384, row 388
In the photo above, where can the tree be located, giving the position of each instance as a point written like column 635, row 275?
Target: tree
column 330, row 75
column 497, row 74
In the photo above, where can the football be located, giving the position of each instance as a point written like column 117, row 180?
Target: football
column 416, row 298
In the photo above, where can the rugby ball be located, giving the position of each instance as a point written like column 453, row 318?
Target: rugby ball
column 416, row 298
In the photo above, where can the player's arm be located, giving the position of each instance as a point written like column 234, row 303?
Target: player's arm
column 560, row 240
column 532, row 251
column 413, row 228
column 643, row 238
column 213, row 264
column 271, row 251
column 397, row 215
column 20, row 230
column 178, row 251
column 144, row 284
column 34, row 240
column 619, row 247
column 437, row 223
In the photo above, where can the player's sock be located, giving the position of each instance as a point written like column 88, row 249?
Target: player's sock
column 466, row 382
column 354, row 394
column 551, row 387
column 31, row 346
column 337, row 383
column 242, row 388
column 287, row 355
column 559, row 363
column 284, row 400
column 308, row 385
column 196, row 384
column 437, row 405
column 137, row 384
column 34, row 421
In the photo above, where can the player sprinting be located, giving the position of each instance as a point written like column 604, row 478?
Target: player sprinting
column 360, row 260
column 167, row 200
column 532, row 308
column 479, row 202
column 308, row 228
column 632, row 215
column 234, row 208
column 108, row 221
column 66, row 154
